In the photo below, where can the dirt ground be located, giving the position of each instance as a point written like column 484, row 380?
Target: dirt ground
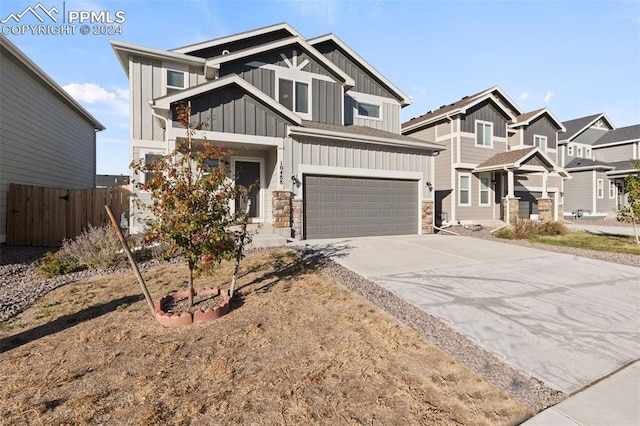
column 297, row 348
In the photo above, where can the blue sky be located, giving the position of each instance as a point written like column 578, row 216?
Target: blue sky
column 575, row 57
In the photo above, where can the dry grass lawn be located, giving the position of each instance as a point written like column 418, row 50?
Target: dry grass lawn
column 297, row 348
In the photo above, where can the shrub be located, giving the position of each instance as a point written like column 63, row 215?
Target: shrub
column 95, row 248
column 52, row 265
column 524, row 229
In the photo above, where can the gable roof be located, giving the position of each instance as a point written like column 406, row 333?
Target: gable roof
column 578, row 125
column 403, row 98
column 526, row 118
column 40, row 75
column 340, row 75
column 622, row 168
column 362, row 134
column 514, row 160
column 164, row 102
column 461, row 106
column 620, row 135
column 587, row 164
column 283, row 26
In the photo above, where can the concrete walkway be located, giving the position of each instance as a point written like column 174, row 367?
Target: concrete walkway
column 566, row 320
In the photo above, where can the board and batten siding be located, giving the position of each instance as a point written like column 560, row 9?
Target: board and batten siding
column 230, row 110
column 544, row 127
column 484, row 111
column 318, row 152
column 614, row 153
column 43, row 140
column 261, row 78
column 389, row 121
column 326, row 100
column 579, row 192
column 364, row 82
column 145, row 84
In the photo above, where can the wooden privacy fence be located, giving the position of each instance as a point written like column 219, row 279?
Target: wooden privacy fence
column 39, row 216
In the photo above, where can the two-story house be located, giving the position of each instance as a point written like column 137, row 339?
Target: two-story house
column 500, row 163
column 310, row 121
column 599, row 157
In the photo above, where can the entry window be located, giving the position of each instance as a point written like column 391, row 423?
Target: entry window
column 484, row 191
column 294, row 95
column 464, row 190
column 484, row 133
column 600, row 188
column 612, row 190
column 540, row 142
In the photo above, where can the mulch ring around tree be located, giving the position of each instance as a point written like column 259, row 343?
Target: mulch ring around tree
column 208, row 304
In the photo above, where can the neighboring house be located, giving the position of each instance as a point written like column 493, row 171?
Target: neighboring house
column 500, row 163
column 46, row 137
column 599, row 157
column 312, row 122
column 105, row 181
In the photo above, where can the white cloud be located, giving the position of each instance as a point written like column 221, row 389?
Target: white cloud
column 326, row 11
column 116, row 101
column 548, row 97
column 524, row 95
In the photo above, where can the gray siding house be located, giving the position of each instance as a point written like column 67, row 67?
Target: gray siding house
column 46, row 137
column 500, row 163
column 599, row 156
column 310, row 120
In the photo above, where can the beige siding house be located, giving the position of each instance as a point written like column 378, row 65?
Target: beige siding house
column 311, row 122
column 500, row 163
column 56, row 149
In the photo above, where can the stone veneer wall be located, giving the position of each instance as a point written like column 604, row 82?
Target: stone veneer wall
column 545, row 209
column 297, row 219
column 427, row 217
column 511, row 207
column 281, row 205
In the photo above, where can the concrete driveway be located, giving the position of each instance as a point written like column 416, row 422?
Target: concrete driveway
column 565, row 320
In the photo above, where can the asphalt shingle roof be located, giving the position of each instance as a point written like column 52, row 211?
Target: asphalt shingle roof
column 527, row 115
column 505, row 158
column 575, row 125
column 586, row 162
column 628, row 133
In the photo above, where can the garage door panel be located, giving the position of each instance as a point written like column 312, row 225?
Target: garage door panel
column 343, row 206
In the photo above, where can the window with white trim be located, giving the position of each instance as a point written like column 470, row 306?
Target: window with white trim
column 612, row 190
column 484, row 191
column 587, row 152
column 464, row 189
column 368, row 110
column 484, row 133
column 570, row 149
column 294, row 95
column 540, row 142
column 578, row 151
column 600, row 188
column 150, row 158
column 175, row 81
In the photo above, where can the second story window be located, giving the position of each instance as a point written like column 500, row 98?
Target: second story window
column 175, row 81
column 570, row 150
column 294, row 95
column 368, row 110
column 484, row 133
column 579, row 151
column 540, row 142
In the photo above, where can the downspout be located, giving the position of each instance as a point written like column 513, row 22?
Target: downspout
column 166, row 123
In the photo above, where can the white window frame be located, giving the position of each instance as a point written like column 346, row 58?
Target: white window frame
column 185, row 79
column 570, row 149
column 142, row 176
column 579, row 151
column 488, row 191
column 369, row 117
column 296, row 77
column 468, row 190
column 538, row 141
column 587, row 152
column 483, row 123
column 612, row 190
column 600, row 188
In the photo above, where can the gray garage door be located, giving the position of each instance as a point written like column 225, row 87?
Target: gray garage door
column 352, row 207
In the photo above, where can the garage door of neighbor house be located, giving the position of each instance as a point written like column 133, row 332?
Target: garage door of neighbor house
column 337, row 206
column 528, row 203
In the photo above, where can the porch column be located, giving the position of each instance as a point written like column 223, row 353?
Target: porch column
column 282, row 212
column 545, row 177
column 510, row 184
